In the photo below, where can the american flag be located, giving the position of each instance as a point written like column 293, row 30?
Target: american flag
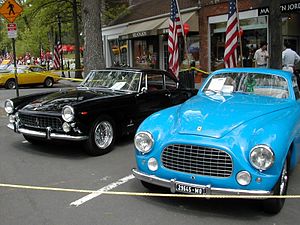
column 231, row 43
column 57, row 52
column 175, row 29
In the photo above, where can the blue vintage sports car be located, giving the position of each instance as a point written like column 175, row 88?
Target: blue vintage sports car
column 238, row 136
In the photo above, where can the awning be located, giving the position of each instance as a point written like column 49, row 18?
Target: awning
column 146, row 28
column 191, row 18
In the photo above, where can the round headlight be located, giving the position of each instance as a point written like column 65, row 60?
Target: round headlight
column 152, row 164
column 68, row 113
column 262, row 157
column 9, row 106
column 66, row 127
column 143, row 142
column 243, row 178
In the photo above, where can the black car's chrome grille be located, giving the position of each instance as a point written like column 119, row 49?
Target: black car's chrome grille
column 38, row 121
column 197, row 160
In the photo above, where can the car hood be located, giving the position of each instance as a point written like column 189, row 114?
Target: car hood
column 216, row 115
column 54, row 102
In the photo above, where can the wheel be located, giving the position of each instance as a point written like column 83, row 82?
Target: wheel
column 48, row 82
column 10, row 84
column 101, row 137
column 32, row 140
column 273, row 206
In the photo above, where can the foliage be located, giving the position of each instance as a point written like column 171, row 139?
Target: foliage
column 38, row 24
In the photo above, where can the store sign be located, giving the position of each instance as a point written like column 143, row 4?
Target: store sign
column 288, row 7
column 140, row 34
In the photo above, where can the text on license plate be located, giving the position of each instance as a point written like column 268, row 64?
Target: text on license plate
column 190, row 189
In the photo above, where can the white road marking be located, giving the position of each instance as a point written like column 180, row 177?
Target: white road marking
column 24, row 142
column 101, row 190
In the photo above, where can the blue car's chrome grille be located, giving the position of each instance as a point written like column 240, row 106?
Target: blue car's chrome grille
column 197, row 160
column 37, row 121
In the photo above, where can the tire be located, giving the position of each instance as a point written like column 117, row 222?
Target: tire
column 273, row 206
column 32, row 140
column 10, row 84
column 48, row 82
column 101, row 137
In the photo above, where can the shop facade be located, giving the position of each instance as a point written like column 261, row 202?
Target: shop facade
column 254, row 22
column 143, row 42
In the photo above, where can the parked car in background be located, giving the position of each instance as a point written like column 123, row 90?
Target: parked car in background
column 29, row 75
column 108, row 104
column 239, row 136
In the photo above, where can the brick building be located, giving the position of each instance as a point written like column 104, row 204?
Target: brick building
column 254, row 20
column 139, row 36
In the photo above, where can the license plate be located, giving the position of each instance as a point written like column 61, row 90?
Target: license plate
column 190, row 189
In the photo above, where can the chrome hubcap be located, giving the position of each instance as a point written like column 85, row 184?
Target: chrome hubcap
column 49, row 82
column 283, row 179
column 11, row 85
column 103, row 134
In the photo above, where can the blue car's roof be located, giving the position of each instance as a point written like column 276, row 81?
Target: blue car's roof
column 282, row 73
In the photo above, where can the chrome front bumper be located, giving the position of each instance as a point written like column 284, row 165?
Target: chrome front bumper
column 210, row 190
column 46, row 135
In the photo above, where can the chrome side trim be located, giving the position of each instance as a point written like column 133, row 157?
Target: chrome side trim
column 213, row 191
column 47, row 134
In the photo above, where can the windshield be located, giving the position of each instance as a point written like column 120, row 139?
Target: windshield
column 115, row 80
column 249, row 83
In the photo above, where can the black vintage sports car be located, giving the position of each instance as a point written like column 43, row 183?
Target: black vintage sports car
column 107, row 104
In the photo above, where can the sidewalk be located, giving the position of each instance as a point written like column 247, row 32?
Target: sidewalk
column 66, row 81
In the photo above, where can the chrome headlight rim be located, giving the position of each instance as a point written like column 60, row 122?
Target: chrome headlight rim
column 269, row 149
column 149, row 135
column 71, row 118
column 10, row 109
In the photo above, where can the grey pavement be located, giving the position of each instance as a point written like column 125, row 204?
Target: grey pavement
column 65, row 165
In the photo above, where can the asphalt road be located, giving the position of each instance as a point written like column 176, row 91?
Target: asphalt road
column 67, row 166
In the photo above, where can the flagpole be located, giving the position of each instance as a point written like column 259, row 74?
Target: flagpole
column 239, row 36
column 184, row 39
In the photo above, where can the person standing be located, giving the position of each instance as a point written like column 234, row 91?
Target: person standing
column 289, row 58
column 261, row 55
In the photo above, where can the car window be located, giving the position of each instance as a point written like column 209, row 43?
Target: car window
column 155, row 81
column 36, row 69
column 296, row 87
column 249, row 83
column 113, row 79
column 170, row 84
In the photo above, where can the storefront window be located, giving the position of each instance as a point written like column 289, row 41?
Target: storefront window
column 145, row 53
column 254, row 32
column 192, row 41
column 118, row 52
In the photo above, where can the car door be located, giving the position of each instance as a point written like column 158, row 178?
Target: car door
column 296, row 90
column 36, row 74
column 27, row 76
column 176, row 95
column 153, row 95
